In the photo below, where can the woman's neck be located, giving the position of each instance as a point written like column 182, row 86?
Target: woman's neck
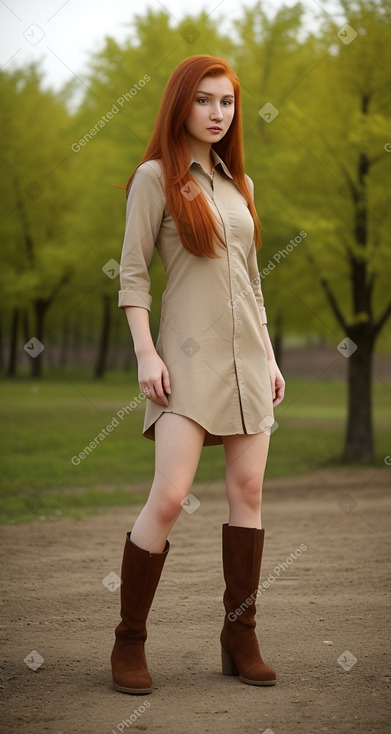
column 201, row 152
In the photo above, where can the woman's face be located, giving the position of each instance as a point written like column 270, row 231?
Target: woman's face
column 212, row 110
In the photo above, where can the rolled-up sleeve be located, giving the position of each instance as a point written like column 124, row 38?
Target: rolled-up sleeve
column 252, row 264
column 144, row 214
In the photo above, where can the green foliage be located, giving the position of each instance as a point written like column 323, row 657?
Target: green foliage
column 333, row 103
column 34, row 189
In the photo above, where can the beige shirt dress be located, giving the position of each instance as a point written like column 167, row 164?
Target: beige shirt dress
column 210, row 332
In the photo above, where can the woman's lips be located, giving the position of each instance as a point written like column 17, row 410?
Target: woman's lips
column 214, row 129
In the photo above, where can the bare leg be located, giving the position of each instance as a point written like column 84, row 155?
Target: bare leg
column 245, row 457
column 178, row 444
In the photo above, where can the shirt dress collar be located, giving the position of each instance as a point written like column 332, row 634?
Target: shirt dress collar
column 217, row 162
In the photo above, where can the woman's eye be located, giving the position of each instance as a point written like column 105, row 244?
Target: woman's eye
column 224, row 102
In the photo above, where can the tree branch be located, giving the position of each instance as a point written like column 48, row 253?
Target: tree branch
column 333, row 303
column 382, row 319
column 329, row 294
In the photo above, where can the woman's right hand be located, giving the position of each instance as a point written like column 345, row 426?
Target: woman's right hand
column 153, row 378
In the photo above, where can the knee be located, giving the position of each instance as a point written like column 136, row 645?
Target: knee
column 169, row 504
column 247, row 490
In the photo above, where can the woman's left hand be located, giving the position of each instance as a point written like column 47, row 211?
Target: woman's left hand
column 277, row 383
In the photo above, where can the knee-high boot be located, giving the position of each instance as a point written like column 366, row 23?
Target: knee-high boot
column 140, row 576
column 242, row 555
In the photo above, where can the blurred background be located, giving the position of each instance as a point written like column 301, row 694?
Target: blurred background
column 80, row 85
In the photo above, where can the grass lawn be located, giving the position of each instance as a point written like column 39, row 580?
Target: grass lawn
column 47, row 424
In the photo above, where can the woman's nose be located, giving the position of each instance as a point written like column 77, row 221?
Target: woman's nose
column 216, row 113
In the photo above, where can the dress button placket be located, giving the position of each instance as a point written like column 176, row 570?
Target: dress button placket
column 214, row 186
column 235, row 311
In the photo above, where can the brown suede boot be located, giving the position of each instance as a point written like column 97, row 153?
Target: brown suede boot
column 140, row 576
column 240, row 655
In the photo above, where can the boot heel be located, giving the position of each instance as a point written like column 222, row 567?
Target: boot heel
column 227, row 664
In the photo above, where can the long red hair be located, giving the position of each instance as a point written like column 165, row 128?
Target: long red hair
column 196, row 225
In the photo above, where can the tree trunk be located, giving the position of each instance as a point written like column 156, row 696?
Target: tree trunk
column 40, row 308
column 64, row 346
column 101, row 360
column 277, row 340
column 25, row 326
column 115, row 352
column 11, row 369
column 77, row 345
column 359, row 443
column 2, row 359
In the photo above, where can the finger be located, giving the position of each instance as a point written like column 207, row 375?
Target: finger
column 160, row 396
column 150, row 394
column 155, row 399
column 166, row 382
column 279, row 396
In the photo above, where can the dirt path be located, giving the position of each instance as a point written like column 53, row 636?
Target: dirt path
column 333, row 598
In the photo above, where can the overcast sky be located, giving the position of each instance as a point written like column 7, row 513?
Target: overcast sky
column 63, row 32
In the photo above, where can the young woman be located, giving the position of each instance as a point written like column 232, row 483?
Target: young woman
column 212, row 377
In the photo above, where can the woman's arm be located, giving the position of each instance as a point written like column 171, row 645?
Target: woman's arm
column 144, row 213
column 277, row 381
column 153, row 375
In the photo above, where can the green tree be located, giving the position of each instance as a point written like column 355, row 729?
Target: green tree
column 34, row 195
column 346, row 130
column 322, row 167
